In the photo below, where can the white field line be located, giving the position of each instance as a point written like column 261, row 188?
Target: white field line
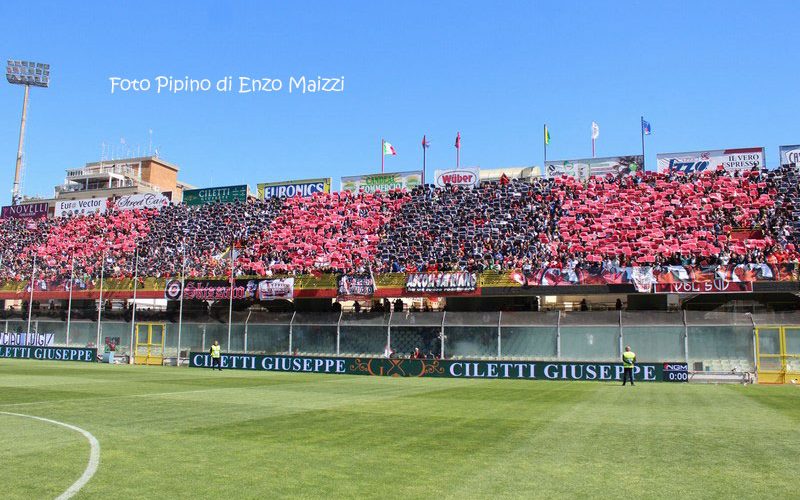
column 94, row 454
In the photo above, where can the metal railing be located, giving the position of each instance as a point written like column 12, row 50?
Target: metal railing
column 706, row 341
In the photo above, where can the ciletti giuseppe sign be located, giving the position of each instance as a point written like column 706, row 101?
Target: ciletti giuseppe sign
column 84, row 354
column 527, row 370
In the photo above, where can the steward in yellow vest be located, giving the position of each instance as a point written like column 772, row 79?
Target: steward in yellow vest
column 628, row 362
column 216, row 356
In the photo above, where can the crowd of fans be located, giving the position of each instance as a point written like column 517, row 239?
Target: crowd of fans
column 642, row 219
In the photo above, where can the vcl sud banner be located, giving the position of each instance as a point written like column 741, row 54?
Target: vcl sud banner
column 288, row 189
column 142, row 201
column 465, row 177
column 585, row 167
column 382, row 182
column 526, row 370
column 28, row 211
column 715, row 286
column 84, row 354
column 732, row 160
column 224, row 194
column 88, row 206
column 790, row 155
column 441, row 282
column 267, row 289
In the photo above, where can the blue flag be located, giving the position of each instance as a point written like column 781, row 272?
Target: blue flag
column 645, row 127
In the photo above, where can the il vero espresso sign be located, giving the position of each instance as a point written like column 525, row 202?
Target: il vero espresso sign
column 527, row 370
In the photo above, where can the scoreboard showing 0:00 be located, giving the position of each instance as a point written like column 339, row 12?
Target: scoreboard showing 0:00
column 676, row 372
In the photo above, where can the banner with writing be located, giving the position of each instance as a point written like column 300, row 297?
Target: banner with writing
column 27, row 211
column 355, row 286
column 288, row 189
column 526, row 370
column 142, row 201
column 372, row 183
column 441, row 282
column 88, row 206
column 464, row 176
column 223, row 194
column 732, row 160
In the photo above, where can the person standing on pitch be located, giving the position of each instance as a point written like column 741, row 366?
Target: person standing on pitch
column 216, row 356
column 628, row 362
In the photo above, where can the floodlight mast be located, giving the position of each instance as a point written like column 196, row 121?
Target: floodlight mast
column 24, row 73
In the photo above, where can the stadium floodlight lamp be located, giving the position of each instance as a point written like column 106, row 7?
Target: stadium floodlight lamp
column 28, row 73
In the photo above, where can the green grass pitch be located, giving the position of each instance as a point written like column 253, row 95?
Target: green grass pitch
column 192, row 433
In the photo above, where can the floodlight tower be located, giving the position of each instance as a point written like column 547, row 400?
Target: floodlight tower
column 25, row 73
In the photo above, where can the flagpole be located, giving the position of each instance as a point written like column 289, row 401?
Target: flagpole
column 458, row 152
column 641, row 130
column 544, row 141
column 180, row 307
column 382, row 141
column 30, row 300
column 593, row 155
column 100, row 301
column 424, row 158
column 132, row 358
column 230, row 301
column 71, row 284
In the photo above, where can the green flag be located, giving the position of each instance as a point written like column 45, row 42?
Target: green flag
column 546, row 135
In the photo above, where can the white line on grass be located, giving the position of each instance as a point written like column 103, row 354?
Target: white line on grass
column 94, row 454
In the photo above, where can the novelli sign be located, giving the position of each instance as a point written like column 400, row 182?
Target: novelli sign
column 84, row 354
column 525, row 370
column 467, row 177
column 29, row 211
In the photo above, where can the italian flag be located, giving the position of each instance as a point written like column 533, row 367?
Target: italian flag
column 388, row 149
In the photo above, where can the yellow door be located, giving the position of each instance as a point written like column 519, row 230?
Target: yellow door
column 791, row 344
column 769, row 358
column 149, row 344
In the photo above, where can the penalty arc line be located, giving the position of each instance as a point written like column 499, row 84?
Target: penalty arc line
column 94, row 453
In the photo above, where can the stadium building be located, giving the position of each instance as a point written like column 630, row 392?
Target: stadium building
column 698, row 269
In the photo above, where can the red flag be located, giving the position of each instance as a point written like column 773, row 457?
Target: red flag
column 425, row 143
column 458, row 140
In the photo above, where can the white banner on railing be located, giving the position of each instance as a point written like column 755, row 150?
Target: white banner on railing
column 22, row 339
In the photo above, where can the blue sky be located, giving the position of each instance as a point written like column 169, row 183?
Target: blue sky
column 705, row 74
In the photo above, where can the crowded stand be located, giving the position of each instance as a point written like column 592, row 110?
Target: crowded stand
column 644, row 219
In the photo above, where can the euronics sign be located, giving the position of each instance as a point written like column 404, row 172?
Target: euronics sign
column 288, row 189
column 528, row 370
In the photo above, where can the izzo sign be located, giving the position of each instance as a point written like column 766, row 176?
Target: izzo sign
column 533, row 370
